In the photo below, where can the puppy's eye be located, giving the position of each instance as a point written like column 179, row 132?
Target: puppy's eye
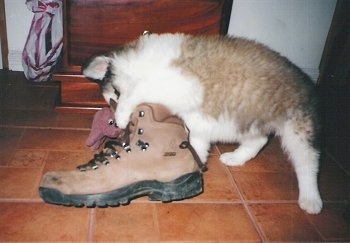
column 110, row 122
column 115, row 124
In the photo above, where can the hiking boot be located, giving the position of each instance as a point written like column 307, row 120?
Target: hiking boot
column 155, row 160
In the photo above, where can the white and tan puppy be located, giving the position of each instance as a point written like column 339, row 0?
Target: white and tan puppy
column 226, row 90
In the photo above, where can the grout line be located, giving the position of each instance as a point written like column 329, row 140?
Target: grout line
column 156, row 220
column 21, row 200
column 315, row 227
column 46, row 128
column 290, row 201
column 91, row 223
column 16, row 146
column 245, row 203
column 42, row 168
column 48, row 150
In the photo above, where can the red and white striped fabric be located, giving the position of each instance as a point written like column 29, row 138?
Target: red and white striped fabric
column 45, row 39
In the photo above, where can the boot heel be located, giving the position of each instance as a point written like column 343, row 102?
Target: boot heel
column 186, row 186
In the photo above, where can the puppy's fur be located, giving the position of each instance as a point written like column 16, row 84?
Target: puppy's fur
column 225, row 89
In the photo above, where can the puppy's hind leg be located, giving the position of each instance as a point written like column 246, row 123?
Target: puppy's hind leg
column 298, row 141
column 247, row 150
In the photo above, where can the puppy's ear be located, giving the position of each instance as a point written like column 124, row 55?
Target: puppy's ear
column 113, row 104
column 96, row 67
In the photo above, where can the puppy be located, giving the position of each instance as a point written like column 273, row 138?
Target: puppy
column 226, row 90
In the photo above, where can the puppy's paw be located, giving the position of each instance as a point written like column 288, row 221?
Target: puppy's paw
column 233, row 159
column 122, row 119
column 311, row 205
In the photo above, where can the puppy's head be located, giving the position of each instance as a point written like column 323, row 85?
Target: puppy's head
column 102, row 70
column 99, row 69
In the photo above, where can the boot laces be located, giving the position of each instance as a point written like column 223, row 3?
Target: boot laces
column 202, row 167
column 110, row 150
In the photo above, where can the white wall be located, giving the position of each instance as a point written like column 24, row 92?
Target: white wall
column 295, row 28
column 18, row 20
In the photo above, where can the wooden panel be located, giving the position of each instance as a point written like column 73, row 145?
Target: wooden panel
column 95, row 26
column 71, row 93
column 3, row 36
column 76, row 90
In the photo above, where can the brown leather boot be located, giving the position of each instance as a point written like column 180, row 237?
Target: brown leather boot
column 156, row 160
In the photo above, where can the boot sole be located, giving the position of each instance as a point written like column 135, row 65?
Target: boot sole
column 186, row 186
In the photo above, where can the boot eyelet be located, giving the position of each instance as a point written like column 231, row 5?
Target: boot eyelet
column 141, row 114
column 105, row 162
column 126, row 147
column 183, row 145
column 143, row 146
column 81, row 168
column 115, row 155
column 140, row 131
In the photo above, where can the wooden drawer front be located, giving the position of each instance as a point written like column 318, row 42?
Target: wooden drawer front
column 76, row 90
column 95, row 26
column 83, row 94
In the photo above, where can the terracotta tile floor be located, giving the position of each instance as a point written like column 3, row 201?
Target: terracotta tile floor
column 256, row 202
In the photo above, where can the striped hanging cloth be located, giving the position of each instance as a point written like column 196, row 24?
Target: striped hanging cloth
column 45, row 39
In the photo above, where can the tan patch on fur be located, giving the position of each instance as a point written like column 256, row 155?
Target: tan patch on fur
column 248, row 81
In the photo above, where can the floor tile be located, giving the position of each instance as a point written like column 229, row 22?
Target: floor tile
column 131, row 223
column 205, row 222
column 19, row 183
column 284, row 223
column 267, row 186
column 336, row 115
column 45, row 119
column 54, row 139
column 28, row 118
column 264, row 163
column 274, row 153
column 9, row 138
column 214, row 150
column 74, row 120
column 334, row 184
column 38, row 222
column 218, row 184
column 331, row 224
column 339, row 149
column 28, row 158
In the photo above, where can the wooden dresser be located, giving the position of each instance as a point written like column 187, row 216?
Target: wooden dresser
column 97, row 26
